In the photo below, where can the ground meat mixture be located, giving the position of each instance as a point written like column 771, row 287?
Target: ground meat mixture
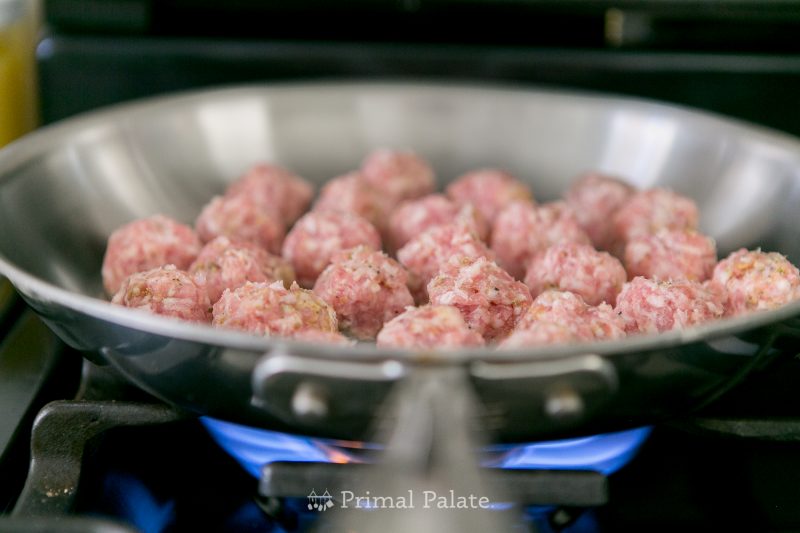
column 594, row 198
column 366, row 288
column 400, row 175
column 225, row 264
column 539, row 334
column 522, row 230
column 489, row 190
column 491, row 301
column 464, row 252
column 429, row 327
column 650, row 211
column 671, row 254
column 165, row 291
column 596, row 276
column 352, row 193
column 756, row 281
column 319, row 235
column 428, row 252
column 241, row 218
column 274, row 188
column 413, row 217
column 568, row 310
column 272, row 309
column 649, row 306
column 145, row 244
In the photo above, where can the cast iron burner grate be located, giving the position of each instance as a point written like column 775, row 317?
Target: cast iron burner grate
column 65, row 434
column 655, row 474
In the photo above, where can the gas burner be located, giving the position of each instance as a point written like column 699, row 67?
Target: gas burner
column 254, row 448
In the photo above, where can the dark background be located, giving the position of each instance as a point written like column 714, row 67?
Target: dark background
column 739, row 58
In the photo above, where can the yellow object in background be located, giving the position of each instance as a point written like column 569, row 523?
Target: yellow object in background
column 18, row 97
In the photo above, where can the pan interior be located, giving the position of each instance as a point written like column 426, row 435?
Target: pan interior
column 64, row 190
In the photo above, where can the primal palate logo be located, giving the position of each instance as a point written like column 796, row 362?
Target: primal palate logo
column 319, row 502
column 428, row 499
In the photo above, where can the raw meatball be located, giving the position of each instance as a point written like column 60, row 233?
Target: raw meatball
column 274, row 189
column 366, row 288
column 568, row 310
column 539, row 334
column 165, row 291
column 318, row 235
column 225, row 264
column 671, row 254
column 522, row 230
column 489, row 190
column 594, row 198
column 489, row 298
column 241, row 218
column 648, row 306
column 428, row 328
column 352, row 193
column 145, row 244
column 398, row 175
column 413, row 217
column 648, row 212
column 425, row 254
column 596, row 276
column 324, row 337
column 468, row 214
column 271, row 309
column 756, row 281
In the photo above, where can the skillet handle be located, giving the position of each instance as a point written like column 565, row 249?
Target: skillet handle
column 334, row 398
column 527, row 400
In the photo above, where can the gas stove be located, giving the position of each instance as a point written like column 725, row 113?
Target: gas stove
column 82, row 450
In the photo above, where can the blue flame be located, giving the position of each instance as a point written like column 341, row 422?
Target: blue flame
column 134, row 503
column 606, row 453
column 253, row 448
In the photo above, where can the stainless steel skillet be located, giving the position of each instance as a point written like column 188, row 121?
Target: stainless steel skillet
column 63, row 189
